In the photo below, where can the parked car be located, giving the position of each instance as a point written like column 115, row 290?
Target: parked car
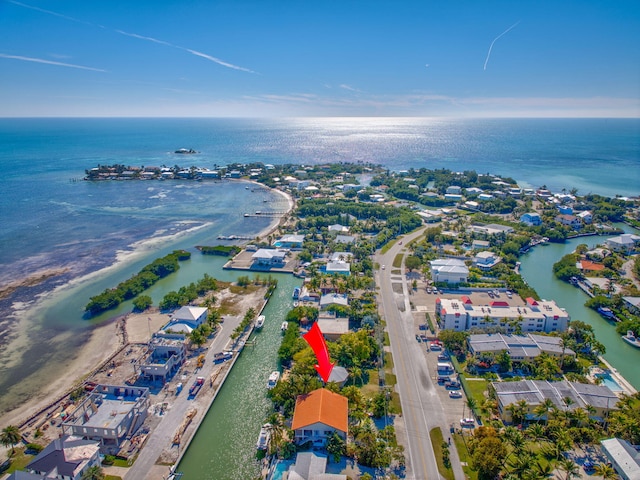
column 443, row 357
column 452, row 384
column 442, row 379
column 455, row 394
column 467, row 422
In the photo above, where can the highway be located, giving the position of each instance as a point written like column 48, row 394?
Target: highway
column 422, row 408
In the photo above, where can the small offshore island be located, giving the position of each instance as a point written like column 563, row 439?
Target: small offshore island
column 409, row 275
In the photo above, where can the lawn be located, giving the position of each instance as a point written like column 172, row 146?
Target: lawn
column 465, row 459
column 436, row 441
column 19, row 460
column 397, row 261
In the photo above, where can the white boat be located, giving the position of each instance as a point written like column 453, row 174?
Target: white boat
column 296, row 293
column 631, row 339
column 263, row 438
column 284, row 326
column 273, row 379
column 260, row 321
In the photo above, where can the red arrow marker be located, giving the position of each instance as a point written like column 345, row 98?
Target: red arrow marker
column 315, row 339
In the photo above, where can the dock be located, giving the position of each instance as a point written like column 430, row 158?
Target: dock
column 266, row 214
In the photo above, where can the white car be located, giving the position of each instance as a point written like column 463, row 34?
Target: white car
column 455, row 394
column 382, row 267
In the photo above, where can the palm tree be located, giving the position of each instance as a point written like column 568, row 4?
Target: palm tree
column 93, row 473
column 605, row 471
column 569, row 467
column 277, row 430
column 10, row 436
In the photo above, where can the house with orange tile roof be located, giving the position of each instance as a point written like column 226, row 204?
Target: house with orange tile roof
column 318, row 415
column 589, row 266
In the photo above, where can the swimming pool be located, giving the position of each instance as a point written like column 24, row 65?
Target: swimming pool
column 280, row 468
column 608, row 381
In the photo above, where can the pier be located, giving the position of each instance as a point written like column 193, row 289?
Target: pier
column 266, row 214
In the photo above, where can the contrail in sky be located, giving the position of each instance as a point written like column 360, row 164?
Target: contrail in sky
column 49, row 12
column 494, row 41
column 140, row 37
column 50, row 62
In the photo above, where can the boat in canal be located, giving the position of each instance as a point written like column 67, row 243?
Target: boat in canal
column 263, row 437
column 260, row 321
column 273, row 379
column 631, row 339
column 284, row 326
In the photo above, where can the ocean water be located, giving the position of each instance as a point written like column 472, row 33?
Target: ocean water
column 53, row 220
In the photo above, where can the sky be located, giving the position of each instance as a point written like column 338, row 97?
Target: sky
column 288, row 58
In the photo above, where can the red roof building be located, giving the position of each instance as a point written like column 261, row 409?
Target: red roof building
column 318, row 414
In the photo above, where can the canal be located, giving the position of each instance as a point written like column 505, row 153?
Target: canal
column 536, row 269
column 224, row 447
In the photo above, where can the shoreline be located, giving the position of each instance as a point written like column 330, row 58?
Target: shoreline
column 103, row 338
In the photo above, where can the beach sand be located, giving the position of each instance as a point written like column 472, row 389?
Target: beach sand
column 104, row 341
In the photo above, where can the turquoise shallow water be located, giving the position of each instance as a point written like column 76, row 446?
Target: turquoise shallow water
column 51, row 219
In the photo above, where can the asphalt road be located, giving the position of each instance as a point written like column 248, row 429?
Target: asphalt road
column 161, row 436
column 422, row 409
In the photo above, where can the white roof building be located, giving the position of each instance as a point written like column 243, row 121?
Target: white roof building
column 342, row 268
column 536, row 316
column 623, row 456
column 520, row 347
column 449, row 271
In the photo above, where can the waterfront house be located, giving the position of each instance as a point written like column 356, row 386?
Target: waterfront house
column 632, row 304
column 310, row 466
column 586, row 217
column 110, row 415
column 624, row 457
column 166, row 356
column 454, row 190
column 289, row 241
column 485, row 197
column 341, row 268
column 269, row 258
column 625, row 243
column 332, row 327
column 333, row 299
column 452, row 197
column 66, row 458
column 449, row 271
column 569, row 221
column 531, row 219
column 521, row 348
column 486, row 260
column 186, row 319
column 317, row 415
column 587, row 266
column 535, row 392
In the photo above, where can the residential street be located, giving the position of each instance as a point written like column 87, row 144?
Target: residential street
column 422, row 409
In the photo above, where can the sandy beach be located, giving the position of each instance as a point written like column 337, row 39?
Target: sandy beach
column 105, row 339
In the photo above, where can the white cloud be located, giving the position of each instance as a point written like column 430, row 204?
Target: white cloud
column 50, row 62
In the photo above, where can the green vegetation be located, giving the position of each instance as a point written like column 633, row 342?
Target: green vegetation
column 565, row 268
column 441, row 452
column 246, row 321
column 10, row 437
column 222, row 250
column 142, row 302
column 144, row 279
column 189, row 293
